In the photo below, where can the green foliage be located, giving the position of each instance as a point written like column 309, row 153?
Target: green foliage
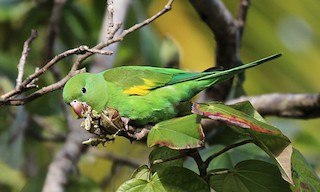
column 267, row 137
column 169, row 179
column 250, row 175
column 180, row 133
column 160, row 154
column 304, row 177
column 224, row 174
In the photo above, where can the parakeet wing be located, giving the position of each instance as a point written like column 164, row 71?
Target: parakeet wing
column 140, row 80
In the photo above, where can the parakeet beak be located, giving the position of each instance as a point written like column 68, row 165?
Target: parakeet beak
column 79, row 107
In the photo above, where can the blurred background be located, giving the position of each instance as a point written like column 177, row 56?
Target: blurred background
column 31, row 135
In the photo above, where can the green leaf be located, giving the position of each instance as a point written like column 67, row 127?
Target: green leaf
column 178, row 133
column 250, row 175
column 143, row 172
column 305, row 179
column 163, row 153
column 231, row 116
column 267, row 137
column 170, row 179
column 135, row 185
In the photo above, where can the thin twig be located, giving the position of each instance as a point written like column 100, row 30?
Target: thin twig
column 242, row 16
column 85, row 48
column 111, row 25
column 6, row 98
column 112, row 29
column 120, row 37
column 24, row 56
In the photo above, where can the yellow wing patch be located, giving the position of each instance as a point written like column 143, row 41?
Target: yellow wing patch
column 141, row 89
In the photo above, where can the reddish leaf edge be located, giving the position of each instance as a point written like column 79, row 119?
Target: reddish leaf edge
column 231, row 120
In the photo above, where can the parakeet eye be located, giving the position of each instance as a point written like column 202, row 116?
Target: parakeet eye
column 84, row 90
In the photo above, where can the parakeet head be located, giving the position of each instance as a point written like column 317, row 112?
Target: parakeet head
column 85, row 89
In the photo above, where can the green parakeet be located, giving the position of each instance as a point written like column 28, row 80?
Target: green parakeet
column 144, row 95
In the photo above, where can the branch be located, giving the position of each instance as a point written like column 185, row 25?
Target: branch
column 117, row 16
column 242, row 16
column 7, row 99
column 24, row 56
column 227, row 32
column 300, row 106
column 65, row 160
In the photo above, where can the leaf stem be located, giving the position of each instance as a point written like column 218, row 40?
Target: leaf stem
column 194, row 153
column 209, row 159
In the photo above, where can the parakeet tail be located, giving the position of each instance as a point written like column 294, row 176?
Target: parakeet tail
column 226, row 74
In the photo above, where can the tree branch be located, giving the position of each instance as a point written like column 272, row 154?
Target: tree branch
column 227, row 32
column 299, row 106
column 242, row 15
column 65, row 160
column 7, row 99
column 118, row 16
column 24, row 56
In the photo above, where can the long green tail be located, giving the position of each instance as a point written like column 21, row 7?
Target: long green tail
column 226, row 74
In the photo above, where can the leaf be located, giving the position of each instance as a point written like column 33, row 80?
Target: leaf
column 162, row 153
column 250, row 175
column 170, row 179
column 178, row 133
column 267, row 137
column 231, row 116
column 143, row 172
column 304, row 177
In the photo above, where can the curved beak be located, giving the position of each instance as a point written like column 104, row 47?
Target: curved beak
column 79, row 107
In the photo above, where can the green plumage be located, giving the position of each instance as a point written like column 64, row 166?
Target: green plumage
column 144, row 94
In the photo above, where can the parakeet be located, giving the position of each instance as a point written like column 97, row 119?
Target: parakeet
column 144, row 95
